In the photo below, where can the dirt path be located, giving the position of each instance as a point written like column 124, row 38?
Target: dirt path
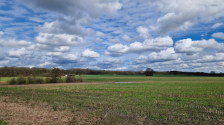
column 19, row 113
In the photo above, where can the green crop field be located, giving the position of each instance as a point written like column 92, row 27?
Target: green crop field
column 146, row 100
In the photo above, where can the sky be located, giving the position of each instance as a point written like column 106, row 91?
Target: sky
column 165, row 35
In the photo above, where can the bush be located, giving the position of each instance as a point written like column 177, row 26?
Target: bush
column 70, row 79
column 31, row 80
column 12, row 81
column 21, row 80
column 39, row 80
column 47, row 80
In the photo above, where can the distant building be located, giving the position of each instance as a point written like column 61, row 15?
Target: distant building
column 149, row 72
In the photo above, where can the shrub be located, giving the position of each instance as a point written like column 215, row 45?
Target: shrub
column 39, row 80
column 31, row 80
column 12, row 81
column 21, row 80
column 47, row 80
column 70, row 79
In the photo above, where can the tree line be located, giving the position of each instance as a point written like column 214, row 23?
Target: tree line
column 212, row 73
column 25, row 71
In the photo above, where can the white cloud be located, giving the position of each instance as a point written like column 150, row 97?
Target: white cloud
column 64, row 26
column 59, row 39
column 143, row 32
column 78, row 7
column 126, row 38
column 185, row 46
column 217, row 25
column 20, row 53
column 157, row 44
column 109, row 63
column 209, row 44
column 97, row 40
column 1, row 33
column 165, row 55
column 219, row 35
column 188, row 46
column 13, row 42
column 100, row 34
column 117, row 49
column 180, row 15
column 211, row 58
column 54, row 54
column 114, row 40
column 90, row 53
column 62, row 49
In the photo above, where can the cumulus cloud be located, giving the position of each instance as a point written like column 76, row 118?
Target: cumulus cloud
column 188, row 46
column 143, row 32
column 211, row 58
column 109, row 63
column 97, row 40
column 117, row 49
column 19, row 53
column 126, row 38
column 165, row 55
column 185, row 46
column 217, row 25
column 54, row 54
column 62, row 26
column 100, row 34
column 114, row 40
column 77, row 7
column 156, row 44
column 13, row 42
column 219, row 35
column 62, row 49
column 68, row 58
column 90, row 53
column 180, row 15
column 59, row 39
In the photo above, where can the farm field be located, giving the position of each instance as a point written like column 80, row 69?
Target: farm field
column 145, row 100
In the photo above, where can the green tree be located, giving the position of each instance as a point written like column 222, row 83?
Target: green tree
column 55, row 75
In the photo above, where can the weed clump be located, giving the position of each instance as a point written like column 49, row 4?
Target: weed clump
column 3, row 122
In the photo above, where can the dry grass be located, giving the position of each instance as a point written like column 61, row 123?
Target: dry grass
column 21, row 113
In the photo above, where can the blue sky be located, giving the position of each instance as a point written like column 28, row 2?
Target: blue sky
column 113, row 34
